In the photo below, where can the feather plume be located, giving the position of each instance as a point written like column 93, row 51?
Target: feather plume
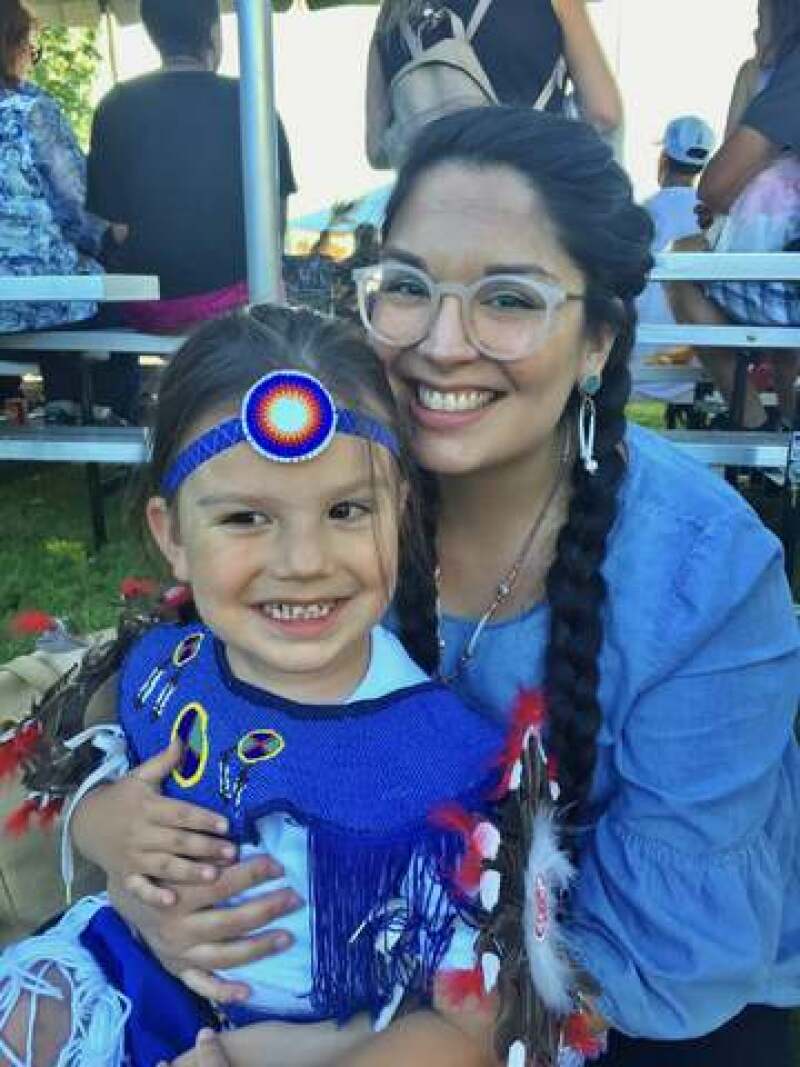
column 580, row 1034
column 456, row 987
column 547, row 876
column 19, row 821
column 527, row 717
column 17, row 747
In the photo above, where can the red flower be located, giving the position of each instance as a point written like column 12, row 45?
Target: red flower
column 28, row 623
column 137, row 588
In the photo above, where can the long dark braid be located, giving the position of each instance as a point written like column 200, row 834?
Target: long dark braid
column 588, row 199
column 576, row 591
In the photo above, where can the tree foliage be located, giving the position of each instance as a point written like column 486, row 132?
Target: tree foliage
column 67, row 71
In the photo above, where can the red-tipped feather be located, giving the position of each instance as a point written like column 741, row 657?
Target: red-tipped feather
column 468, row 876
column 454, row 817
column 459, row 820
column 528, row 714
column 49, row 812
column 19, row 821
column 30, row 623
column 16, row 749
column 581, row 1035
column 455, row 988
column 137, row 588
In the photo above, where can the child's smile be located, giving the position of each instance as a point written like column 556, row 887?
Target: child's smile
column 291, row 564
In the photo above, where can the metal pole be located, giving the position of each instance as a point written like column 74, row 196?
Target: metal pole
column 259, row 150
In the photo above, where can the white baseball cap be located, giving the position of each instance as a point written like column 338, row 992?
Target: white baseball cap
column 688, row 139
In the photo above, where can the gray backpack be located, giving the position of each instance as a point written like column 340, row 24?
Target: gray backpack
column 443, row 78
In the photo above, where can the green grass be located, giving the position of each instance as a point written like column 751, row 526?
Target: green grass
column 46, row 557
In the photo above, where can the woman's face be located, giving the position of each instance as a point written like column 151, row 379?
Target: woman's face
column 470, row 412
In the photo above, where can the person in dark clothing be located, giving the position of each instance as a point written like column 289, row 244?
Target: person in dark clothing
column 754, row 180
column 529, row 52
column 165, row 158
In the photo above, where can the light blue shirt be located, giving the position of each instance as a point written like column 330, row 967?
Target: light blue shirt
column 687, row 904
column 44, row 228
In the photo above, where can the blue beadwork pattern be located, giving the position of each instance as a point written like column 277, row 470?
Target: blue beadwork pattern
column 249, row 426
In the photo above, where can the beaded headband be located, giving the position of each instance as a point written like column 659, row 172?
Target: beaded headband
column 286, row 416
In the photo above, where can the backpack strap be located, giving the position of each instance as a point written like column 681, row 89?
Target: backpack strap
column 554, row 82
column 478, row 14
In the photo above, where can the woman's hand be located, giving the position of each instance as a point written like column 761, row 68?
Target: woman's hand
column 207, row 1052
column 137, row 835
column 195, row 936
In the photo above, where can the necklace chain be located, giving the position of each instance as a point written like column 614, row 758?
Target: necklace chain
column 506, row 585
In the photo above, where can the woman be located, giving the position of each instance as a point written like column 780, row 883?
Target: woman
column 587, row 556
column 44, row 228
column 527, row 51
column 752, row 185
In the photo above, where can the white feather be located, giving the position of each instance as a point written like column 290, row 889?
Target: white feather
column 548, row 873
column 487, row 840
column 490, row 889
column 490, row 968
column 517, row 1055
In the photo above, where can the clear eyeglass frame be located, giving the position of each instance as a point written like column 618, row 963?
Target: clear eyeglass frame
column 528, row 332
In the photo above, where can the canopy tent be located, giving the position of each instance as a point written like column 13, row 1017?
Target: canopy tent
column 88, row 12
column 258, row 117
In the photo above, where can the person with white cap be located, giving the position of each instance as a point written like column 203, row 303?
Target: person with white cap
column 687, row 144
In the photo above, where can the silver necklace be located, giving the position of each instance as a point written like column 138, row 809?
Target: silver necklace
column 505, row 586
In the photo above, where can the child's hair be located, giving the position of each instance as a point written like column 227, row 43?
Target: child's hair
column 217, row 366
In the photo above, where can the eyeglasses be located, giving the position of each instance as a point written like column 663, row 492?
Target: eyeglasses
column 505, row 316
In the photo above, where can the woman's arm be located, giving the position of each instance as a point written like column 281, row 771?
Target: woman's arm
column 739, row 160
column 378, row 109
column 744, row 90
column 416, row 1040
column 62, row 167
column 681, row 903
column 601, row 103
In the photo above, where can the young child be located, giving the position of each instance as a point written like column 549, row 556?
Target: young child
column 280, row 494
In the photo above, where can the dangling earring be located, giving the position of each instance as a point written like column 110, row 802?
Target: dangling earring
column 587, row 418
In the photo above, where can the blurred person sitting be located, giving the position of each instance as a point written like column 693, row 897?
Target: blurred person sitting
column 44, row 227
column 523, row 52
column 165, row 159
column 687, row 144
column 754, row 180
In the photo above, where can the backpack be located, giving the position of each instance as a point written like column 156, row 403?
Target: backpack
column 446, row 77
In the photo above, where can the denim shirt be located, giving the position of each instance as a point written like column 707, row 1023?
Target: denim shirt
column 44, row 228
column 687, row 903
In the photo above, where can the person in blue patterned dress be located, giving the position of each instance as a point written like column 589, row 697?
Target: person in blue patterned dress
column 44, row 227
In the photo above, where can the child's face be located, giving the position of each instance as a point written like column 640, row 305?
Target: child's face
column 291, row 564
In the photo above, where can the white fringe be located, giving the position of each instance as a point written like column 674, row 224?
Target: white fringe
column 111, row 740
column 548, row 874
column 98, row 1012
